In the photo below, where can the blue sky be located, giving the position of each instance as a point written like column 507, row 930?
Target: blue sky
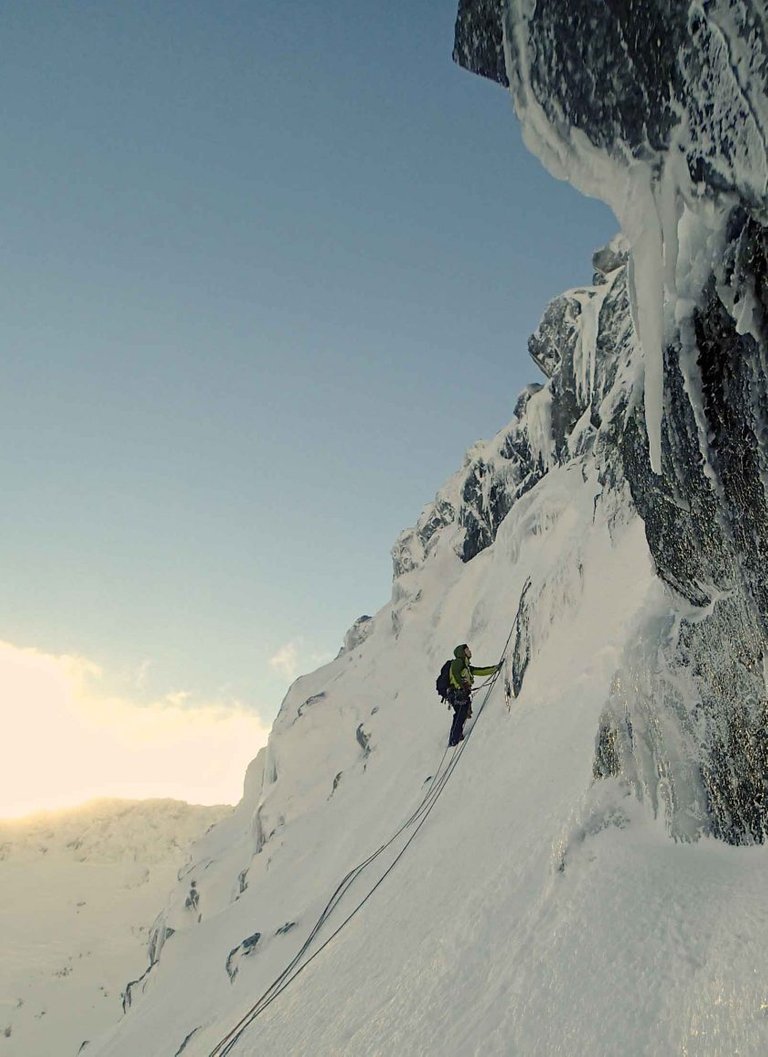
column 268, row 270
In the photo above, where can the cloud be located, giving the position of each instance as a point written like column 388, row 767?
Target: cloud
column 292, row 660
column 142, row 673
column 66, row 739
column 286, row 661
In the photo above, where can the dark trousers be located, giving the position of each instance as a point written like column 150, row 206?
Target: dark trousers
column 461, row 704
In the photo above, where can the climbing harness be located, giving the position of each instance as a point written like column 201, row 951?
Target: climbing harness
column 226, row 1044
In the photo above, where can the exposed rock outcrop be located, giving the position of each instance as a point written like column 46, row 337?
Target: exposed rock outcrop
column 662, row 110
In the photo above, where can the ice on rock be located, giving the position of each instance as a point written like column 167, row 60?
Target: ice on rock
column 357, row 634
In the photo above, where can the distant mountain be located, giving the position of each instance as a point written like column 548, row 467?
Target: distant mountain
column 79, row 890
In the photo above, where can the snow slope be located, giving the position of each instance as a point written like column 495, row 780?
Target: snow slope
column 585, row 874
column 539, row 910
column 79, row 890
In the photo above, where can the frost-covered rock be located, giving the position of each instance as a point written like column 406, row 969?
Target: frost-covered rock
column 582, row 345
column 357, row 634
column 662, row 110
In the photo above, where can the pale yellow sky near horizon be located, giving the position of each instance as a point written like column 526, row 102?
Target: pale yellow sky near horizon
column 69, row 740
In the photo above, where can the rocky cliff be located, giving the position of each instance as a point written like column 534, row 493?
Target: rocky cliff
column 661, row 109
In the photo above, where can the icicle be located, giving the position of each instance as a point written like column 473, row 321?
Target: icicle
column 650, row 217
column 642, row 225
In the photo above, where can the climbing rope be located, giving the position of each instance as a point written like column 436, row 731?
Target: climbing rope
column 225, row 1045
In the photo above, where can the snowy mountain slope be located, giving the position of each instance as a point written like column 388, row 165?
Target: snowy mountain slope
column 79, row 890
column 319, row 832
column 539, row 911
column 590, row 878
column 542, row 908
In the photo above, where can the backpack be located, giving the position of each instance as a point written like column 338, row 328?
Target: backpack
column 443, row 681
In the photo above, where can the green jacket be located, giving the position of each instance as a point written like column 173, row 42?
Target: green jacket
column 462, row 675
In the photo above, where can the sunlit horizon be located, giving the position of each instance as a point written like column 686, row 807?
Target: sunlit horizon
column 38, row 814
column 69, row 741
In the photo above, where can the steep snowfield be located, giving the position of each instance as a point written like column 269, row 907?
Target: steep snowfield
column 79, row 890
column 538, row 911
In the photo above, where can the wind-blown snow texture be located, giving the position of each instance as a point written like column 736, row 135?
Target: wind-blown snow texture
column 578, row 888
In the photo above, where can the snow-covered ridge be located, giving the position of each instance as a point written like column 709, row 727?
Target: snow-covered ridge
column 78, row 892
column 108, row 830
column 543, row 431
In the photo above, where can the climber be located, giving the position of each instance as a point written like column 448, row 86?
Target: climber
column 461, row 677
column 193, row 899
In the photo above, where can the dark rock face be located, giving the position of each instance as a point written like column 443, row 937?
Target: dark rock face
column 735, row 388
column 363, row 740
column 709, row 537
column 480, row 38
column 357, row 634
column 606, row 763
column 414, row 544
column 497, row 474
column 132, row 986
column 649, row 82
column 630, row 74
column 607, row 66
column 310, row 701
column 487, row 496
column 242, row 950
column 607, row 259
column 521, row 651
column 186, row 1041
